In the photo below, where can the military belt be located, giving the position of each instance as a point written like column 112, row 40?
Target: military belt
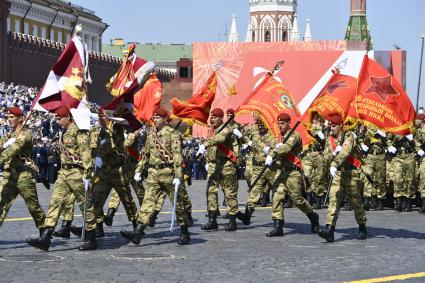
column 377, row 151
column 70, row 166
column 161, row 166
column 18, row 169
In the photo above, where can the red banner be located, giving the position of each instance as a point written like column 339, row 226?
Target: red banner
column 197, row 108
column 381, row 101
column 148, row 98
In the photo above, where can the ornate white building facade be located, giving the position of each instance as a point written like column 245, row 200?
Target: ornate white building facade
column 55, row 20
column 271, row 20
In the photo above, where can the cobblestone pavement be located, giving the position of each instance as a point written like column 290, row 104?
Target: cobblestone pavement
column 395, row 245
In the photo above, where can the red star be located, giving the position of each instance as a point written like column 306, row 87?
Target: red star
column 382, row 87
column 332, row 87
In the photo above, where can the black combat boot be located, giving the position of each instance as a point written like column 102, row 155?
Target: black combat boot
column 184, row 236
column 242, row 217
column 153, row 218
column 99, row 230
column 77, row 231
column 277, row 229
column 109, row 217
column 362, row 232
column 422, row 210
column 136, row 235
column 314, row 221
column 231, row 226
column 90, row 241
column 379, row 204
column 328, row 233
column 408, row 204
column 42, row 243
column 366, row 204
column 288, row 202
column 317, row 202
column 64, row 231
column 212, row 222
column 399, row 204
column 311, row 196
column 248, row 213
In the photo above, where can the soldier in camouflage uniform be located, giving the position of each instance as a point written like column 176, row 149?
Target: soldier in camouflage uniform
column 373, row 148
column 262, row 141
column 420, row 153
column 110, row 172
column 345, row 179
column 221, row 171
column 403, row 151
column 18, row 179
column 76, row 169
column 163, row 152
column 288, row 178
column 67, row 217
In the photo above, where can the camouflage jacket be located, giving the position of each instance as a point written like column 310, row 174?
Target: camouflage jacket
column 111, row 146
column 259, row 142
column 19, row 153
column 225, row 137
column 293, row 145
column 348, row 142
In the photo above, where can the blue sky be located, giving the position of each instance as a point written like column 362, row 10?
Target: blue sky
column 186, row 21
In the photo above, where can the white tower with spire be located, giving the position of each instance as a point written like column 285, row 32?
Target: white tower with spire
column 295, row 33
column 307, row 34
column 233, row 35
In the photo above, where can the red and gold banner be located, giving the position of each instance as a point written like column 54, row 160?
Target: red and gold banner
column 197, row 108
column 148, row 98
column 381, row 100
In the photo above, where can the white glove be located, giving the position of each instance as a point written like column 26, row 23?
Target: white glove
column 138, row 177
column 266, row 149
column 98, row 162
column 201, row 150
column 86, row 183
column 392, row 149
column 278, row 145
column 337, row 150
column 410, row 137
column 244, row 146
column 269, row 160
column 237, row 133
column 421, row 152
column 206, row 167
column 9, row 142
column 176, row 182
column 364, row 147
column 381, row 133
column 102, row 142
column 250, row 143
column 320, row 135
column 333, row 171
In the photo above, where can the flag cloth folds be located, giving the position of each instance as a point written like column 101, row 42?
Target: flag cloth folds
column 148, row 98
column 336, row 97
column 120, row 109
column 131, row 75
column 197, row 108
column 381, row 100
column 66, row 82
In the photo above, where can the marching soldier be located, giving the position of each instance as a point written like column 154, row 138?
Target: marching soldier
column 288, row 178
column 110, row 172
column 163, row 152
column 420, row 145
column 18, row 178
column 345, row 179
column 75, row 170
column 67, row 217
column 221, row 171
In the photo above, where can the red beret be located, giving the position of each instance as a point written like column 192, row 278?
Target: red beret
column 335, row 119
column 230, row 110
column 161, row 112
column 62, row 111
column 15, row 111
column 217, row 112
column 284, row 117
column 420, row 117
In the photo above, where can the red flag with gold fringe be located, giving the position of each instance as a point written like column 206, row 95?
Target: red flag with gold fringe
column 148, row 98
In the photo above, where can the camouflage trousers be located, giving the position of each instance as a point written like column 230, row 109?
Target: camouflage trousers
column 288, row 181
column 159, row 181
column 248, row 167
column 404, row 175
column 69, row 181
column 374, row 167
column 183, row 198
column 23, row 184
column 345, row 183
column 222, row 173
column 68, row 208
column 103, row 183
column 313, row 166
column 262, row 186
column 421, row 182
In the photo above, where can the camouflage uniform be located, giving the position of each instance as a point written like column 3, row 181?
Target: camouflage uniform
column 420, row 145
column 345, row 182
column 18, row 177
column 112, row 172
column 248, row 134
